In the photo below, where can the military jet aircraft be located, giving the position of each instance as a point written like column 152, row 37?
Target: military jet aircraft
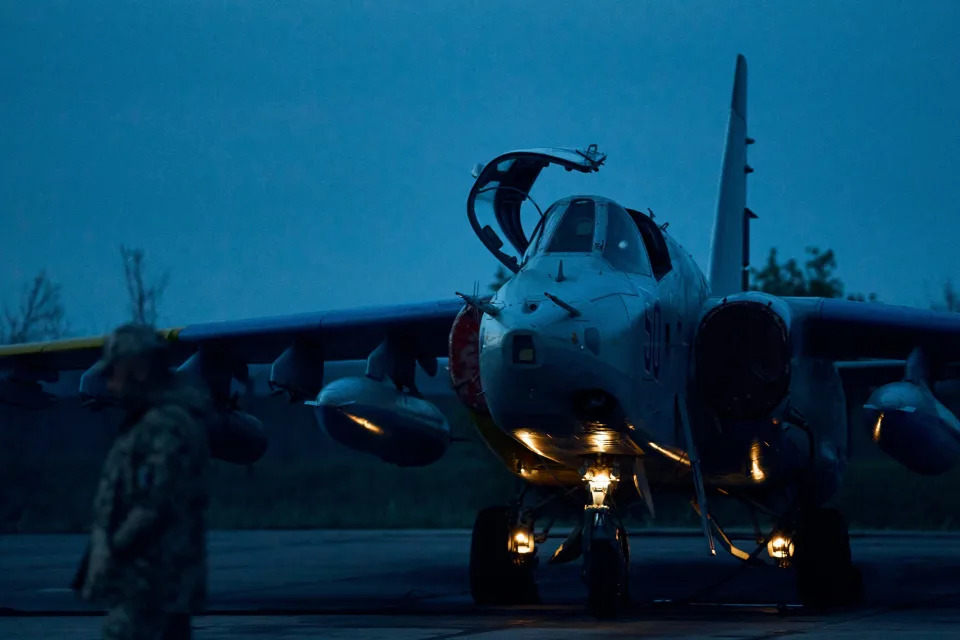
column 609, row 364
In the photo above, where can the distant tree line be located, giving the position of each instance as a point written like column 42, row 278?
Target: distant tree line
column 40, row 313
column 815, row 278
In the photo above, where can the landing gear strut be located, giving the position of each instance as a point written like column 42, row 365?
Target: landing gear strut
column 502, row 558
column 606, row 551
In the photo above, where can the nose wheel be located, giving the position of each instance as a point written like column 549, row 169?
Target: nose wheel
column 606, row 568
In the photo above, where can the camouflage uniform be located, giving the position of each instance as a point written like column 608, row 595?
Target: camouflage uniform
column 147, row 554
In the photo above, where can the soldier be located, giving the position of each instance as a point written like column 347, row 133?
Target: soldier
column 147, row 556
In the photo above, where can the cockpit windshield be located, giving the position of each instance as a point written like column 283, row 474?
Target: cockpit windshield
column 576, row 230
column 587, row 225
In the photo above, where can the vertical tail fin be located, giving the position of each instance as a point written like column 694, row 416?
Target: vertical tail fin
column 730, row 246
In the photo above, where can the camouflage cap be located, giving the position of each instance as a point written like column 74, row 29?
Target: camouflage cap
column 128, row 341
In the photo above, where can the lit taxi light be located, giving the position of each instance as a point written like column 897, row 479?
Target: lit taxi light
column 599, row 481
column 366, row 424
column 523, row 542
column 780, row 548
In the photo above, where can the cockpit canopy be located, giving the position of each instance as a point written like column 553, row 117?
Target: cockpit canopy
column 581, row 225
column 506, row 183
column 590, row 225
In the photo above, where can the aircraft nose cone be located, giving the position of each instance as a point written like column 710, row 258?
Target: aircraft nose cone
column 536, row 366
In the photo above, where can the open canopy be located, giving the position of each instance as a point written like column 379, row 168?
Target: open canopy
column 509, row 179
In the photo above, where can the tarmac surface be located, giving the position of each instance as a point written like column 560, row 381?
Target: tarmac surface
column 414, row 584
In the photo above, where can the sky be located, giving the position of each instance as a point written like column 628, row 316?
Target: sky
column 281, row 157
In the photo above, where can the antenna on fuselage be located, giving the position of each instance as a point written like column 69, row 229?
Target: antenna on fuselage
column 483, row 305
column 569, row 308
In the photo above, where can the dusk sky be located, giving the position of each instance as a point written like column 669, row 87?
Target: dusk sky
column 280, row 157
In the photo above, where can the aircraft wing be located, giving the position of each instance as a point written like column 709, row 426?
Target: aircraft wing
column 846, row 330
column 343, row 335
column 337, row 335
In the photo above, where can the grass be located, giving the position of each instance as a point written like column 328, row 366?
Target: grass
column 345, row 490
column 49, row 470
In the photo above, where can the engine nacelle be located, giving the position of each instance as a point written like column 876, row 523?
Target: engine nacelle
column 743, row 350
column 373, row 417
column 237, row 437
column 913, row 427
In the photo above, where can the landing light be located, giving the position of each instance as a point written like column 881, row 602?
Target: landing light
column 522, row 542
column 599, row 481
column 780, row 548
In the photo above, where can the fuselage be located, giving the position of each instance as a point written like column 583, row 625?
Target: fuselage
column 590, row 350
column 596, row 376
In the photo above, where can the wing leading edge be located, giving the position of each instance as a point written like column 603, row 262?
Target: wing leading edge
column 849, row 330
column 350, row 334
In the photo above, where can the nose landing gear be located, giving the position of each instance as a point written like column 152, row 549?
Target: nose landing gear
column 503, row 549
column 606, row 551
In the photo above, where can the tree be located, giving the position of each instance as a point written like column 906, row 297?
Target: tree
column 144, row 295
column 40, row 315
column 951, row 299
column 499, row 279
column 815, row 279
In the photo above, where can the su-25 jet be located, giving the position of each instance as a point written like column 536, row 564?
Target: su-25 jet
column 609, row 365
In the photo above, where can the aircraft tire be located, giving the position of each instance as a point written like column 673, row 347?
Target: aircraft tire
column 607, row 579
column 495, row 579
column 825, row 574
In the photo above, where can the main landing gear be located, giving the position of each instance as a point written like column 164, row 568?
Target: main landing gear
column 826, row 576
column 503, row 557
column 817, row 547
